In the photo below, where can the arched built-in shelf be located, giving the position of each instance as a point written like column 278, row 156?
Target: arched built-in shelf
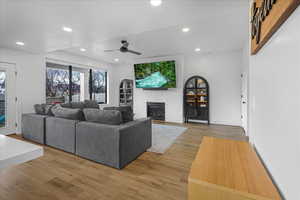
column 196, row 99
column 126, row 93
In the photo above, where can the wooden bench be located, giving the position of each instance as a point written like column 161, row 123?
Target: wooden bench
column 229, row 170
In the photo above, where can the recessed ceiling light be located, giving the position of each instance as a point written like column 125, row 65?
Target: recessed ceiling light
column 197, row 49
column 116, row 59
column 186, row 29
column 82, row 49
column 155, row 2
column 20, row 43
column 67, row 29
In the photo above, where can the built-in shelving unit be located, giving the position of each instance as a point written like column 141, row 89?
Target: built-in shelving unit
column 196, row 99
column 126, row 93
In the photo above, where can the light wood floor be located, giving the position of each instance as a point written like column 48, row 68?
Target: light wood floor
column 62, row 176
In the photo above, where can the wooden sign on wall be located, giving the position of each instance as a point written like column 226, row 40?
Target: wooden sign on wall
column 266, row 17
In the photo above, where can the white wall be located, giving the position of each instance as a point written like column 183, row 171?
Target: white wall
column 31, row 78
column 121, row 71
column 223, row 73
column 275, row 105
column 172, row 97
column 222, row 70
column 245, row 88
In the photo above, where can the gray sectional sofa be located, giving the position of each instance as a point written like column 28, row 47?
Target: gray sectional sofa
column 61, row 133
column 33, row 127
column 109, row 136
column 113, row 145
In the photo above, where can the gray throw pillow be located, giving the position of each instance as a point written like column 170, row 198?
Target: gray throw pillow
column 111, row 117
column 91, row 104
column 67, row 113
column 48, row 108
column 126, row 112
column 39, row 109
column 79, row 105
column 66, row 105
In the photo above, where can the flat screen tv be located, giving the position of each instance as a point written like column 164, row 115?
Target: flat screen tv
column 156, row 75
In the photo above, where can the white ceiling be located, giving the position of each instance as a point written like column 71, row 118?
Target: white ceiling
column 216, row 25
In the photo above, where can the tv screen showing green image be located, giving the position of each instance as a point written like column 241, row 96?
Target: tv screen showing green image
column 155, row 75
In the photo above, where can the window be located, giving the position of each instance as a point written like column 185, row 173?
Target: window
column 2, row 98
column 57, row 85
column 67, row 84
column 98, row 88
column 77, row 86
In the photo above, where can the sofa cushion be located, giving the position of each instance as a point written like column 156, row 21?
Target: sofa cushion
column 111, row 117
column 81, row 105
column 39, row 109
column 48, row 109
column 91, row 104
column 126, row 112
column 78, row 105
column 67, row 113
column 43, row 109
column 66, row 105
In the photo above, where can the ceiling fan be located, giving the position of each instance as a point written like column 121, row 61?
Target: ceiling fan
column 124, row 49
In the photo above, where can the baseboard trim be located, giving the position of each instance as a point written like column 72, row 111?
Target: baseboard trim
column 226, row 123
column 268, row 171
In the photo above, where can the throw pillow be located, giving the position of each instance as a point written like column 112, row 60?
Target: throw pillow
column 79, row 105
column 126, row 112
column 66, row 105
column 111, row 117
column 91, row 104
column 47, row 108
column 67, row 113
column 39, row 109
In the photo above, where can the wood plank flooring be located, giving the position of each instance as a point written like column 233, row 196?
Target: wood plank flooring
column 63, row 176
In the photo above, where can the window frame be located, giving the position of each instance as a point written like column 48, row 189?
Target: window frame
column 70, row 70
column 55, row 66
column 91, row 86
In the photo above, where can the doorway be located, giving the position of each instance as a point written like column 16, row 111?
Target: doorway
column 7, row 98
column 244, row 102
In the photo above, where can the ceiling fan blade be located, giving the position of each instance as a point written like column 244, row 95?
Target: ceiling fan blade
column 134, row 52
column 112, row 50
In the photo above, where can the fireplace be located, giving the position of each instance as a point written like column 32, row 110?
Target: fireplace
column 156, row 110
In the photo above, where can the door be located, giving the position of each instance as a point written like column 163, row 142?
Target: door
column 7, row 98
column 244, row 102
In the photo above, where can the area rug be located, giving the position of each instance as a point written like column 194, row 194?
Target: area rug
column 163, row 136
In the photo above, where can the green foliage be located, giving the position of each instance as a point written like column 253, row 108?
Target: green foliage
column 166, row 68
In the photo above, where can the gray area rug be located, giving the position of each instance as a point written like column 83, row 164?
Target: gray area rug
column 163, row 136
